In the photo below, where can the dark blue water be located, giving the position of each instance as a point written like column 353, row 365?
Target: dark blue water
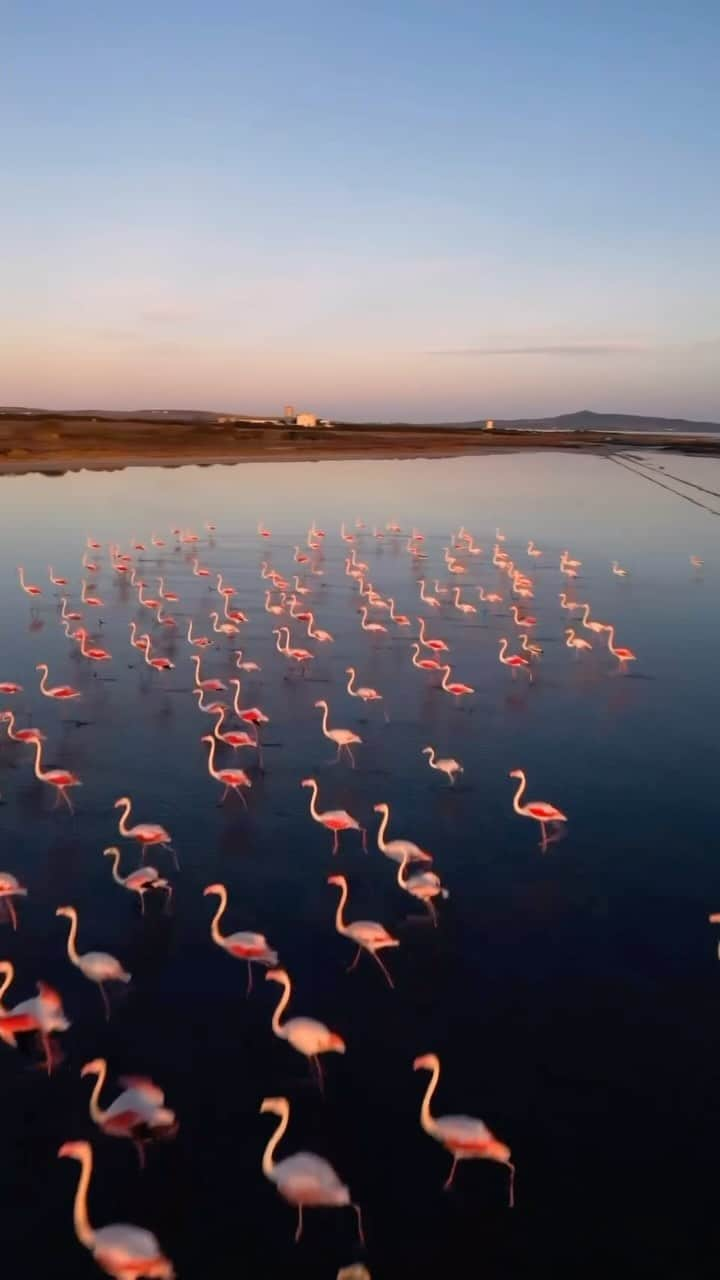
column 572, row 997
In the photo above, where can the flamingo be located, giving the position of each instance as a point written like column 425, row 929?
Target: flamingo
column 121, row 1251
column 27, row 587
column 208, row 686
column 55, row 580
column 568, row 562
column 146, row 833
column 343, row 738
column 65, row 615
column 397, row 849
column 300, row 656
column 232, row 779
column 223, row 628
column 198, row 570
column 158, row 664
column 514, row 661
column 463, row 1136
column 251, row 947
column 212, row 708
column 570, row 605
column 367, row 934
column 623, row 655
column 93, row 653
column 97, row 966
column 532, row 550
column 540, row 810
column 535, row 650
column 20, row 735
column 424, row 664
column 151, row 602
column 234, row 738
column 574, row 641
column 264, row 533
column 367, row 694
column 139, row 642
column 304, row 1180
column 423, row 885
column 432, row 601
column 157, row 542
column 336, row 820
column 42, row 1013
column 619, row 573
column 9, row 686
column 455, row 688
column 445, row 764
column 437, row 646
column 277, row 609
column 589, row 623
column 10, row 888
column 60, row 779
column 462, row 605
column 138, row 881
column 200, row 642
column 489, row 597
column 137, row 1113
column 306, row 1035
column 522, row 620
column 243, row 666
column 317, row 633
column 93, row 602
column 171, row 596
column 696, row 562
column 375, row 627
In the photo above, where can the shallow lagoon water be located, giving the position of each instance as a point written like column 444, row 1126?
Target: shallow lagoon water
column 572, row 997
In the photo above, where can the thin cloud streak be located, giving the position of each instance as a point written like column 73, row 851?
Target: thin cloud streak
column 557, row 349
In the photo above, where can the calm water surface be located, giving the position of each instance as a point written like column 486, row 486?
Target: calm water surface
column 572, row 997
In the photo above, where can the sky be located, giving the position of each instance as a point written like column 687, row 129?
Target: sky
column 384, row 208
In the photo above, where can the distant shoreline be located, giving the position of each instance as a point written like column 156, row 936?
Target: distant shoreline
column 58, row 444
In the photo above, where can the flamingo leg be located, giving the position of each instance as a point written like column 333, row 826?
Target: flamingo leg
column 141, row 892
column 433, row 913
column 244, row 801
column 336, row 844
column 384, row 968
column 250, row 979
column 358, row 1215
column 140, row 1148
column 318, row 1072
column 511, row 1188
column 174, row 854
column 543, row 842
column 364, row 839
column 224, row 794
column 352, row 758
column 45, row 1040
column 299, row 1230
column 449, row 1180
column 105, row 1000
column 12, row 912
column 354, row 963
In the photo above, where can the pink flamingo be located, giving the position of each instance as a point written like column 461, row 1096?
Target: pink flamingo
column 139, row 642
column 92, row 652
column 464, row 1137
column 157, row 542
column 55, row 580
column 570, row 605
column 234, row 738
column 10, row 888
column 20, row 735
column 300, row 656
column 149, row 603
column 400, row 619
column 223, row 628
column 432, row 601
column 397, row 849
column 375, row 627
column 121, row 1251
column 535, row 650
column 251, row 947
column 522, row 619
column 9, row 686
column 306, row 1035
column 446, row 764
column 437, row 646
column 60, row 779
column 456, row 689
column 158, row 664
column 224, row 590
column 366, row 934
column 277, row 609
column 147, row 834
column 343, row 738
column 489, row 597
column 589, row 623
column 303, row 1179
column 138, row 881
column 97, row 966
column 208, row 686
column 244, row 666
column 316, row 633
column 514, row 661
column 27, row 587
column 138, row 1113
column 424, row 664
column 264, row 533
column 461, row 605
column 60, row 691
column 335, row 820
column 623, row 655
column 65, row 615
column 211, row 707
column 198, row 570
column 232, row 779
column 540, row 810
column 200, row 642
column 42, row 1013
column 171, row 596
column 423, row 885
column 93, row 602
column 576, row 642
column 532, row 550
column 367, row 694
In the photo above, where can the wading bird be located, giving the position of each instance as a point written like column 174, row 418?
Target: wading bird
column 97, row 966
column 335, row 820
column 252, row 947
column 343, row 738
column 366, row 934
column 232, row 779
column 138, row 1113
column 397, row 849
column 445, row 764
column 42, row 1014
column 544, row 813
column 138, row 881
column 464, row 1137
column 60, row 779
column 146, row 833
column 306, row 1035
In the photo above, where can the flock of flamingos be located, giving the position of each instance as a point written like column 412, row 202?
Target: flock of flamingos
column 138, row 1113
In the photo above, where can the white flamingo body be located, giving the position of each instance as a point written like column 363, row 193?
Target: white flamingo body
column 446, row 764
column 336, row 820
column 344, row 739
column 304, row 1179
column 305, row 1035
column 243, row 945
column 463, row 1136
column 397, row 850
column 367, row 934
column 96, row 966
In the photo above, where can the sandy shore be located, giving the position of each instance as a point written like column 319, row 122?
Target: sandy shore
column 56, row 445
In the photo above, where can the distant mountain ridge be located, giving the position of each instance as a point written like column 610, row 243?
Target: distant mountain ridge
column 588, row 420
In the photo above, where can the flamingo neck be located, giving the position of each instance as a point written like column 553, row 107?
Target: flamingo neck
column 611, row 639
column 315, row 813
column 96, row 1112
column 431, row 758
column 516, row 798
column 503, row 647
column 339, row 922
column 81, row 1221
column 282, row 1005
column 8, row 971
column 422, row 625
column 426, row 1118
column 445, row 676
column 351, row 678
column 383, row 827
column 38, row 761
column 325, row 718
column 268, row 1164
column 122, row 826
column 211, row 759
column 116, row 862
column 456, row 593
column 44, row 670
column 402, row 872
column 189, row 632
column 195, row 657
column 215, row 926
column 71, row 948
column 236, row 699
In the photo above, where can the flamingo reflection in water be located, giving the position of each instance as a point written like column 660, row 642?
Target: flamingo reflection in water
column 304, row 1180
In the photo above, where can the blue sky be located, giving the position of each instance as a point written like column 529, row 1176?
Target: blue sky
column 403, row 208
